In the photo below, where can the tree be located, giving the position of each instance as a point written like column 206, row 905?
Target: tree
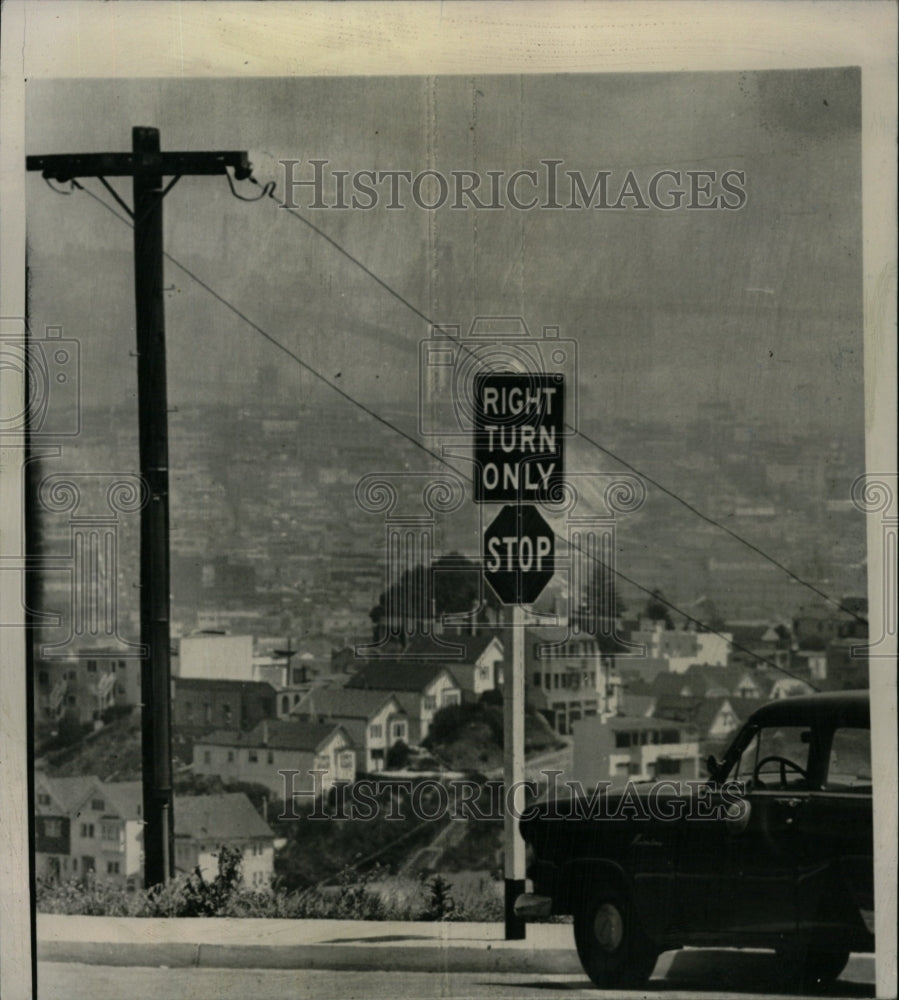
column 657, row 609
column 452, row 585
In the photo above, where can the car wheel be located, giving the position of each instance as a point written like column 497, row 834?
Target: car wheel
column 810, row 968
column 611, row 945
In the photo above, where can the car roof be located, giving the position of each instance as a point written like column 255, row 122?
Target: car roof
column 850, row 708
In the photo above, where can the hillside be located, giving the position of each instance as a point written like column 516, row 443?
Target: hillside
column 113, row 753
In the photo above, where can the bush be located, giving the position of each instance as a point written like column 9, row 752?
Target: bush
column 449, row 723
column 109, row 715
column 372, row 896
column 397, row 756
column 440, row 903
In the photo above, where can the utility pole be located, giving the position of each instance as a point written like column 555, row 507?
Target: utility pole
column 148, row 167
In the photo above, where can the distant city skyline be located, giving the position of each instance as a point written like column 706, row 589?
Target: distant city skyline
column 738, row 328
column 760, row 306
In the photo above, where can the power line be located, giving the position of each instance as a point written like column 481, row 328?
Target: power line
column 606, row 451
column 418, row 444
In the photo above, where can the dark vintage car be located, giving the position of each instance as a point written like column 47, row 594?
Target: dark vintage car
column 774, row 850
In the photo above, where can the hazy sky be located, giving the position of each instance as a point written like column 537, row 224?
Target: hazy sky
column 760, row 306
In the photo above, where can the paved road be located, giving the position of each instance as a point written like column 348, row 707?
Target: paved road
column 63, row 981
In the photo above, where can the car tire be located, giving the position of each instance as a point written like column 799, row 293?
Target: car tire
column 810, row 968
column 613, row 949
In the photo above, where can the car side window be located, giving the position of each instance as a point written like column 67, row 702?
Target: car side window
column 849, row 765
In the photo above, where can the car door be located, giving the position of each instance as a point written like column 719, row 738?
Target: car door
column 763, row 852
column 835, row 885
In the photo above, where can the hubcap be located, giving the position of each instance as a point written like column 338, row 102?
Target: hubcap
column 608, row 927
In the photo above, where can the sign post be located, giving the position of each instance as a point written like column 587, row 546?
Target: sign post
column 518, row 458
column 513, row 777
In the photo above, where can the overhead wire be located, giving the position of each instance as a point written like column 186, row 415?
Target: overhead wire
column 423, row 447
column 580, row 433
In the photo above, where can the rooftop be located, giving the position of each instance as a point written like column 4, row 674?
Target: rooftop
column 275, row 734
column 396, row 675
column 218, row 684
column 343, row 702
column 220, row 817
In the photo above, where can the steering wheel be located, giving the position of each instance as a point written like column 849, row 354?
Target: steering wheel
column 784, row 762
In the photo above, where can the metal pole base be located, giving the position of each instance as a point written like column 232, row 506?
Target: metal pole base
column 515, row 926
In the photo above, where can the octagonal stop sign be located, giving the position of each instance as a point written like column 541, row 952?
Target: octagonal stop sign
column 519, row 554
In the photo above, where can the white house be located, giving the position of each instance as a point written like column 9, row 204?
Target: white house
column 85, row 686
column 421, row 689
column 206, row 823
column 215, row 657
column 481, row 668
column 84, row 825
column 636, row 748
column 569, row 678
column 273, row 746
column 374, row 720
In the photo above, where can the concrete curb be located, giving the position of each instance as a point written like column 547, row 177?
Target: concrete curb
column 448, row 958
column 282, row 944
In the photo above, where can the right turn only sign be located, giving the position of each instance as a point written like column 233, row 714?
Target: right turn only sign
column 519, row 554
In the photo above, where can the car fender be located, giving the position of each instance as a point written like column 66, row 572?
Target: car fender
column 580, row 877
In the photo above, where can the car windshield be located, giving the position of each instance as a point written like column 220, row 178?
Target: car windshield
column 776, row 757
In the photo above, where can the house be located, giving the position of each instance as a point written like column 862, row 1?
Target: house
column 703, row 681
column 200, row 705
column 86, row 826
column 642, row 668
column 373, row 720
column 212, row 656
column 823, row 621
column 639, row 704
column 83, row 826
column 218, row 656
column 273, row 746
column 707, row 647
column 847, row 664
column 478, row 666
column 789, row 687
column 84, row 687
column 715, row 720
column 568, row 678
column 622, row 748
column 206, row 823
column 810, row 662
column 421, row 689
column 677, row 649
column 759, row 641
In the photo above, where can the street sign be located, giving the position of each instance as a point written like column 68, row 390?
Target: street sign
column 518, row 423
column 519, row 554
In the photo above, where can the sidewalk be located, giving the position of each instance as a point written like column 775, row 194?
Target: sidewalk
column 356, row 945
column 351, row 945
